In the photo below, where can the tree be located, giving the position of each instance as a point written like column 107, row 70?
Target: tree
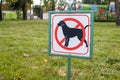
column 117, row 6
column 49, row 5
column 24, row 9
column 38, row 11
column 20, row 5
column 0, row 10
column 53, row 5
column 25, row 4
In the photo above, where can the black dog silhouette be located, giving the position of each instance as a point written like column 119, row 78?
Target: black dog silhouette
column 71, row 32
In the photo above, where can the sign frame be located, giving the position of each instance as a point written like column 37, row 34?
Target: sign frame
column 91, row 32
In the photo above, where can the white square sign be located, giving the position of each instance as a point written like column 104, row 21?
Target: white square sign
column 71, row 33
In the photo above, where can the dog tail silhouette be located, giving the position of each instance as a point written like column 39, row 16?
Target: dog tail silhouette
column 86, row 26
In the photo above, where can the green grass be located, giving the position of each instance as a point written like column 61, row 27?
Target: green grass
column 24, row 53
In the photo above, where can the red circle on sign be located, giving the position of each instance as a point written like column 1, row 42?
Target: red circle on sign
column 60, row 42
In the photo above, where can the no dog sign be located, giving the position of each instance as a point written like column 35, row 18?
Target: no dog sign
column 71, row 33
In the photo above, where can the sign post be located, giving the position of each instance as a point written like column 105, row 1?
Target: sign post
column 69, row 67
column 71, row 35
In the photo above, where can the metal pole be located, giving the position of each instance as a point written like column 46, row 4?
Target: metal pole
column 69, row 67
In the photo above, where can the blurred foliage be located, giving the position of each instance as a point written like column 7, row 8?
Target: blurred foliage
column 86, row 7
column 10, row 16
column 20, row 5
column 36, row 9
column 17, row 4
column 49, row 5
column 105, row 2
column 106, row 7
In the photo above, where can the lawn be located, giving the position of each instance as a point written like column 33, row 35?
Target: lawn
column 24, row 53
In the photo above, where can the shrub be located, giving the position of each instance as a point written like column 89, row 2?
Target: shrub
column 19, row 15
column 104, row 17
column 86, row 7
column 111, row 17
column 10, row 16
column 103, row 7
